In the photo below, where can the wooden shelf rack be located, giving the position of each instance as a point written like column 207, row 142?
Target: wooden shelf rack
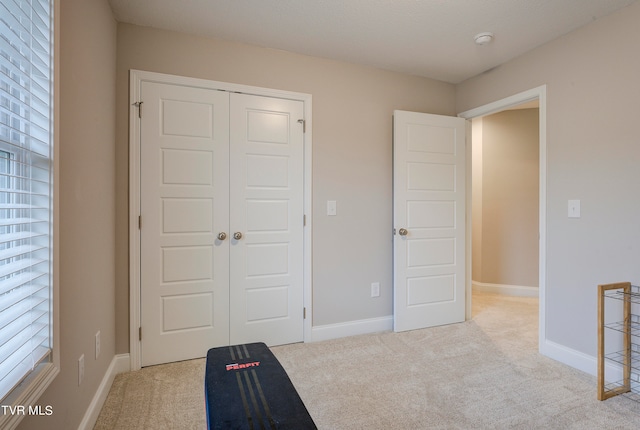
column 627, row 358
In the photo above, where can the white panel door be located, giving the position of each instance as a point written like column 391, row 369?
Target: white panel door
column 429, row 220
column 266, row 204
column 184, row 204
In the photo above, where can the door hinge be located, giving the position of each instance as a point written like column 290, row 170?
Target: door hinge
column 304, row 220
column 304, row 125
column 304, row 313
column 139, row 222
column 139, row 333
column 139, row 106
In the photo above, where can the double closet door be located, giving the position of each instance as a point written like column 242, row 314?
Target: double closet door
column 221, row 221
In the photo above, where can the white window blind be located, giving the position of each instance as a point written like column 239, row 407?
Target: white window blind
column 25, row 188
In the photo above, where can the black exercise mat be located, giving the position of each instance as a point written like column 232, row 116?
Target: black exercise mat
column 247, row 388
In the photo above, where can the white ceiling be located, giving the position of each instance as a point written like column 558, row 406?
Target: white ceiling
column 430, row 38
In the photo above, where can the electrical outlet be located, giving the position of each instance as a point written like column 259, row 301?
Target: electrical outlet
column 80, row 369
column 375, row 289
column 97, row 344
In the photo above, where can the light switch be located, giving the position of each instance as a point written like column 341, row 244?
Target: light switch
column 332, row 209
column 574, row 208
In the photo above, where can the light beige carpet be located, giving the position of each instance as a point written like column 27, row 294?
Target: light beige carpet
column 482, row 374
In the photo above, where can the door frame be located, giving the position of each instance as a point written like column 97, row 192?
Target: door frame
column 136, row 77
column 540, row 94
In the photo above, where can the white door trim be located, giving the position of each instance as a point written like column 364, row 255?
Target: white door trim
column 136, row 77
column 540, row 94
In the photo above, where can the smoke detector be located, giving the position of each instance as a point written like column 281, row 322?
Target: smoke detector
column 483, row 38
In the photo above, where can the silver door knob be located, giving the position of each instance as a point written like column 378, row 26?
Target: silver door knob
column 403, row 232
column 237, row 235
column 222, row 235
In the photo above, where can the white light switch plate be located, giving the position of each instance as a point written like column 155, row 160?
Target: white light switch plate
column 574, row 209
column 332, row 209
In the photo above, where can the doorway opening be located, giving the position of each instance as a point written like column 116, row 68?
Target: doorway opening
column 505, row 197
column 506, row 173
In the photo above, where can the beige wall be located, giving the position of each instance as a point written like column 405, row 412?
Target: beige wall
column 87, row 208
column 508, row 241
column 593, row 154
column 352, row 118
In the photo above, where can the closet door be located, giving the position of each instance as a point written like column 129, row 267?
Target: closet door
column 184, row 205
column 214, row 162
column 266, row 212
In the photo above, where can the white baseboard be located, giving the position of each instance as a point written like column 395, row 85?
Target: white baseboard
column 119, row 364
column 570, row 357
column 579, row 360
column 351, row 328
column 507, row 290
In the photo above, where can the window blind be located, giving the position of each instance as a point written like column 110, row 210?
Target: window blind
column 25, row 188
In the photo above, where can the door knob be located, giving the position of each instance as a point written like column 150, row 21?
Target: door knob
column 237, row 235
column 403, row 232
column 222, row 235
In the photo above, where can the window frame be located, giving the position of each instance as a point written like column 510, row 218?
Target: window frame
column 32, row 387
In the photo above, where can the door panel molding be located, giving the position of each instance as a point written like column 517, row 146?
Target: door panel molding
column 136, row 79
column 184, row 269
column 266, row 267
column 429, row 217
